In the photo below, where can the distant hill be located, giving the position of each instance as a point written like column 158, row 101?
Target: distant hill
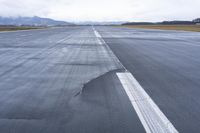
column 31, row 21
column 138, row 23
column 195, row 21
column 176, row 22
column 101, row 23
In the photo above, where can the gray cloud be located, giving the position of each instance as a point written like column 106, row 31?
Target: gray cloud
column 104, row 10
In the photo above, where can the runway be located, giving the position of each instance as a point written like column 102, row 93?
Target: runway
column 64, row 79
column 166, row 64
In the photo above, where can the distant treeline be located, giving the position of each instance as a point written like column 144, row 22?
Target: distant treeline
column 195, row 21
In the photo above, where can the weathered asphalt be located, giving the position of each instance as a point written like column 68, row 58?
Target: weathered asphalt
column 64, row 80
column 61, row 80
column 167, row 65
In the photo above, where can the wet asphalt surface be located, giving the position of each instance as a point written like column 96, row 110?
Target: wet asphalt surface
column 167, row 65
column 63, row 80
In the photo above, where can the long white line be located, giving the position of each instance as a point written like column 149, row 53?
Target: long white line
column 151, row 117
column 101, row 41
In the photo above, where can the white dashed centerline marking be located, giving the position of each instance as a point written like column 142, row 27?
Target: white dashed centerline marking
column 151, row 117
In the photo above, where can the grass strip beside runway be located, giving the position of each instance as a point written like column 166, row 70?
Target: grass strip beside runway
column 195, row 28
column 14, row 28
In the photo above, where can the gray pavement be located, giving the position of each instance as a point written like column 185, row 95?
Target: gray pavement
column 63, row 80
column 48, row 84
column 167, row 65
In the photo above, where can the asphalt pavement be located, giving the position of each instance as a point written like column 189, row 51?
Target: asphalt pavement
column 167, row 66
column 63, row 80
column 50, row 84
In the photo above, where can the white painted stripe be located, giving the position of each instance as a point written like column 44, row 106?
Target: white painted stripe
column 96, row 33
column 152, row 118
column 101, row 41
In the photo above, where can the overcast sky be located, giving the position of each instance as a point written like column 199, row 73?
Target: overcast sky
column 103, row 10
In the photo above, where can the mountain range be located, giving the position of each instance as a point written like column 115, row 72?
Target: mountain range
column 31, row 21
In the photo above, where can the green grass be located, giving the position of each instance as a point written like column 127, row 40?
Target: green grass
column 195, row 28
column 14, row 28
